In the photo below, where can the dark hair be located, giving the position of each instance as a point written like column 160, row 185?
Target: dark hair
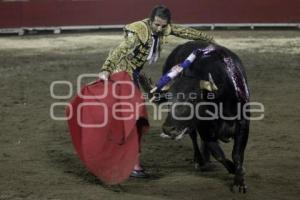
column 162, row 12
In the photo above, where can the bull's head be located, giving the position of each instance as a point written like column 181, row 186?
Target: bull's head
column 186, row 95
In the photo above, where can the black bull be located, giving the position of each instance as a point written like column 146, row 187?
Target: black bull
column 211, row 108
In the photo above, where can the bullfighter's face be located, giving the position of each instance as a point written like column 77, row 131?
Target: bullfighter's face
column 158, row 25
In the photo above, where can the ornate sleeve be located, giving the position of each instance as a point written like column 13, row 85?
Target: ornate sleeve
column 189, row 33
column 119, row 53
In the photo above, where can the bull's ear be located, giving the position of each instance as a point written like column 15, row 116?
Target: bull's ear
column 205, row 85
column 208, row 85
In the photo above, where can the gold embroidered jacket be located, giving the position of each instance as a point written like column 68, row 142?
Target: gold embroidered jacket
column 132, row 53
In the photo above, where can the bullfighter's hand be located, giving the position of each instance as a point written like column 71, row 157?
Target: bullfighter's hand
column 104, row 75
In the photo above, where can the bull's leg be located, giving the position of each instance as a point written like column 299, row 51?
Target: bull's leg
column 205, row 151
column 219, row 155
column 240, row 142
column 198, row 159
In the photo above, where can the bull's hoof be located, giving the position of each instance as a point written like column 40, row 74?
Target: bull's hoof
column 239, row 184
column 239, row 188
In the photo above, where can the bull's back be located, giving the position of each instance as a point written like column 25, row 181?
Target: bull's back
column 223, row 65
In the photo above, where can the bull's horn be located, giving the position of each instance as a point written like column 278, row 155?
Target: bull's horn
column 163, row 135
column 152, row 99
column 214, row 87
column 180, row 136
column 153, row 90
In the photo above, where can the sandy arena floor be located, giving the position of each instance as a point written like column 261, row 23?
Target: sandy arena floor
column 37, row 161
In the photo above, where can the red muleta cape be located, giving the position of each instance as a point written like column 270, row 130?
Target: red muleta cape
column 103, row 127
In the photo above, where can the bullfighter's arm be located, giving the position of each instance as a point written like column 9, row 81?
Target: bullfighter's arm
column 189, row 33
column 115, row 60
